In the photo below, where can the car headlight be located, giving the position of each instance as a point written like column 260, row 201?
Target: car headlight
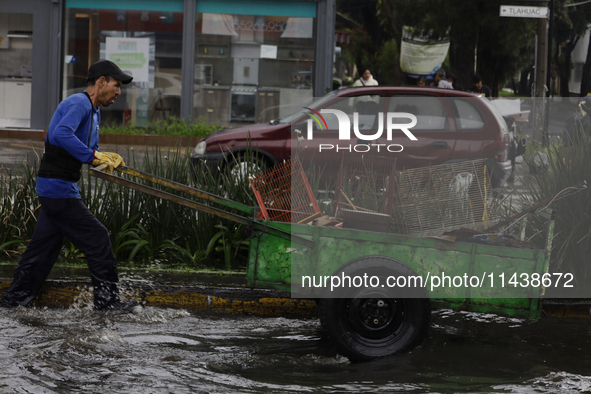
column 200, row 148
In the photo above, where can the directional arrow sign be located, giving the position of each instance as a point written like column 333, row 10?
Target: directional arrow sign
column 517, row 11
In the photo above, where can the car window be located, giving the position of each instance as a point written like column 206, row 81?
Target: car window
column 301, row 111
column 366, row 106
column 467, row 116
column 429, row 110
column 496, row 113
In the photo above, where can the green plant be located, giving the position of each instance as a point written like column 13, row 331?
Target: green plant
column 19, row 208
column 230, row 241
column 173, row 126
column 567, row 166
column 143, row 228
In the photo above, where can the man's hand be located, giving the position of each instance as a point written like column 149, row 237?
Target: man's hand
column 115, row 158
column 100, row 159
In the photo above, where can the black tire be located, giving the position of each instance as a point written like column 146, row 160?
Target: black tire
column 376, row 322
column 242, row 166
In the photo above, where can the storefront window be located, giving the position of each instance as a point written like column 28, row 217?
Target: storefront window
column 16, row 52
column 251, row 68
column 145, row 43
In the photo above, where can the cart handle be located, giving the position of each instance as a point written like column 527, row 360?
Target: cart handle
column 193, row 204
column 186, row 189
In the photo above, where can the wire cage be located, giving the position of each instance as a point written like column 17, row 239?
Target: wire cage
column 363, row 194
column 430, row 200
column 284, row 194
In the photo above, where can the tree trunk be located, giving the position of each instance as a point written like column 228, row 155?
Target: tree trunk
column 565, row 68
column 524, row 83
column 461, row 58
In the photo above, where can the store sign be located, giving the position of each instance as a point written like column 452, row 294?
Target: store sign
column 517, row 11
column 131, row 55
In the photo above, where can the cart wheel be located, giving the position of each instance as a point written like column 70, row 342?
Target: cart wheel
column 375, row 322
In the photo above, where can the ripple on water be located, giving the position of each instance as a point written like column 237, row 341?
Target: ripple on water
column 169, row 350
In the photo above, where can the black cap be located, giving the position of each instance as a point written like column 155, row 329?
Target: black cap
column 107, row 67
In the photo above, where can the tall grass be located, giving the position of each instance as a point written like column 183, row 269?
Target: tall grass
column 19, row 209
column 143, row 228
column 572, row 241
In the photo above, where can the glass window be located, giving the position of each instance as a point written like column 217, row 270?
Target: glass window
column 429, row 111
column 16, row 46
column 251, row 68
column 144, row 43
column 366, row 106
column 468, row 117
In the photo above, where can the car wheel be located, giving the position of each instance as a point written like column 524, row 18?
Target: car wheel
column 377, row 322
column 243, row 167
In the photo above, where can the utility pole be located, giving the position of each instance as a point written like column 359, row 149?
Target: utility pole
column 543, row 59
column 546, row 131
column 541, row 76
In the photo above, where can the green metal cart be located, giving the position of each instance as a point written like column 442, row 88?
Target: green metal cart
column 369, row 322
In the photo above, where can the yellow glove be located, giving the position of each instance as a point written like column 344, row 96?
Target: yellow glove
column 100, row 159
column 115, row 158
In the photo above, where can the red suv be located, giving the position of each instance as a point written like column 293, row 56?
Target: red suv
column 450, row 126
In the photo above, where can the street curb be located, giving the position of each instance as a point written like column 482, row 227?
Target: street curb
column 108, row 139
column 259, row 302
column 237, row 300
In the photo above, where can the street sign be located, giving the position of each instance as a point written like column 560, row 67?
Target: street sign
column 517, row 11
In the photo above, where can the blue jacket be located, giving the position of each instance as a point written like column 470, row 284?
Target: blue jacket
column 70, row 129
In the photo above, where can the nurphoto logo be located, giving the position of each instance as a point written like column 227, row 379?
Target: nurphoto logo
column 393, row 120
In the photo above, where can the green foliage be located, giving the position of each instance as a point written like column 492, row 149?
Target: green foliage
column 230, row 240
column 173, row 126
column 572, row 241
column 19, row 209
column 387, row 63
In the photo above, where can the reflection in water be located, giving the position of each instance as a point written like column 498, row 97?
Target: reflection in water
column 166, row 350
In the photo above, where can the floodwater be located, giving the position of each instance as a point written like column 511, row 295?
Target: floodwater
column 175, row 351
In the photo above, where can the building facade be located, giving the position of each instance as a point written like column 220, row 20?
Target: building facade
column 221, row 61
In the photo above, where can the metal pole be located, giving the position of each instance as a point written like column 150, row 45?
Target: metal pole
column 188, row 60
column 534, row 85
column 546, row 131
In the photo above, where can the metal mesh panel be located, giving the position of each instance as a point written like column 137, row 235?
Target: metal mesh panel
column 364, row 183
column 284, row 194
column 431, row 199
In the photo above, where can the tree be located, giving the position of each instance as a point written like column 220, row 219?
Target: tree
column 571, row 23
column 364, row 41
column 502, row 45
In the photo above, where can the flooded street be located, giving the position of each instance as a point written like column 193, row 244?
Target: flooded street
column 175, row 351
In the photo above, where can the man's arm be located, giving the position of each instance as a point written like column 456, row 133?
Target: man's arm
column 64, row 134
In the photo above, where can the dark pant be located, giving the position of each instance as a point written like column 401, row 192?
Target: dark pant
column 60, row 219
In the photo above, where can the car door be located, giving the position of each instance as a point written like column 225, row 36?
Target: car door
column 434, row 131
column 476, row 131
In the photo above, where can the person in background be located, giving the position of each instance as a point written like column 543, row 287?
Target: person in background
column 440, row 81
column 72, row 140
column 366, row 79
column 479, row 88
column 452, row 78
column 421, row 82
column 577, row 126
